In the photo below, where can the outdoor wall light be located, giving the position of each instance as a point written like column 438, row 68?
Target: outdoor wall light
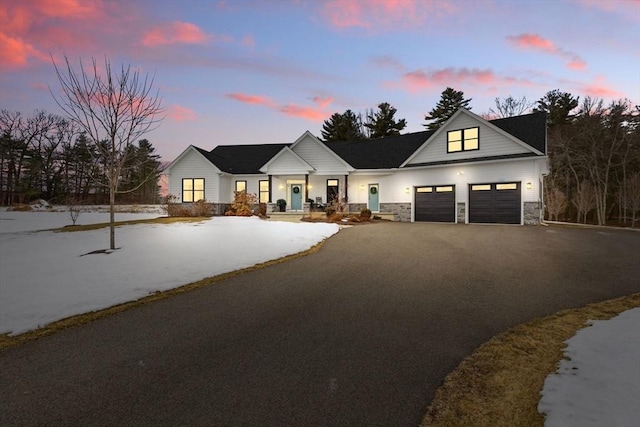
column 281, row 187
column 362, row 186
column 406, row 190
column 460, row 173
column 529, row 186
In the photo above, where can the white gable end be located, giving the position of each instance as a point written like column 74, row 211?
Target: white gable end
column 491, row 142
column 286, row 162
column 192, row 164
column 322, row 159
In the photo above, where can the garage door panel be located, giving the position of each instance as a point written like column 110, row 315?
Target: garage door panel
column 434, row 205
column 495, row 203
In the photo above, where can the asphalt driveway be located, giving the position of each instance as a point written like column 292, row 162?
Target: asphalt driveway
column 360, row 333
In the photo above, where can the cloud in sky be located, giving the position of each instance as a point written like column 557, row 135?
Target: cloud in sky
column 181, row 114
column 627, row 9
column 174, row 32
column 251, row 99
column 16, row 53
column 322, row 101
column 32, row 30
column 599, row 88
column 421, row 80
column 309, row 113
column 318, row 113
column 384, row 14
column 535, row 42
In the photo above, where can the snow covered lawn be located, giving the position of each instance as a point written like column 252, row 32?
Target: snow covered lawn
column 599, row 382
column 44, row 277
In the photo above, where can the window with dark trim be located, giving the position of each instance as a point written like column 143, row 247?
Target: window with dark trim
column 332, row 189
column 241, row 186
column 263, row 187
column 192, row 189
column 463, row 140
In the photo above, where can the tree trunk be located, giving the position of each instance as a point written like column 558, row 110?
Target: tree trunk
column 112, row 217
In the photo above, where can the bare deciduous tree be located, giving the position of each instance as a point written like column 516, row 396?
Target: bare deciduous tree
column 555, row 202
column 584, row 200
column 605, row 131
column 114, row 109
column 633, row 196
column 509, row 107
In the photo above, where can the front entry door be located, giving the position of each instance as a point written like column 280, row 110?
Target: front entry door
column 296, row 197
column 374, row 204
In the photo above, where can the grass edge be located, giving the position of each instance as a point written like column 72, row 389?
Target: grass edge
column 499, row 384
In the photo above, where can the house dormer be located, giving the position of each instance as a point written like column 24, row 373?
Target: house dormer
column 467, row 137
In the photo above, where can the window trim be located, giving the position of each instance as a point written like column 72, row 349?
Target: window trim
column 235, row 188
column 261, row 192
column 193, row 190
column 337, row 187
column 464, row 139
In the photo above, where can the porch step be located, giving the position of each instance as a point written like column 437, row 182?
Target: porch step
column 286, row 216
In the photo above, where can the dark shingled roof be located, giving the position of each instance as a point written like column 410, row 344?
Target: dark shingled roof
column 392, row 151
column 381, row 153
column 242, row 159
column 529, row 128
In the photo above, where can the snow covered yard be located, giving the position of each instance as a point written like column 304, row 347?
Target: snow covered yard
column 598, row 384
column 44, row 277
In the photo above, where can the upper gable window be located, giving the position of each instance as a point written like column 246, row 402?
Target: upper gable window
column 463, row 140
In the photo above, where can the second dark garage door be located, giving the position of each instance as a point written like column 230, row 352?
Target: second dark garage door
column 495, row 203
column 435, row 203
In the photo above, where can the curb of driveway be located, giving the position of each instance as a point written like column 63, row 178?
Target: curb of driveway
column 603, row 227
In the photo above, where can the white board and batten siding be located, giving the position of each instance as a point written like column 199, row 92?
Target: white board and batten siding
column 323, row 160
column 193, row 165
column 492, row 143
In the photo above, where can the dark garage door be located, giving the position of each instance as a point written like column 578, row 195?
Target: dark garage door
column 495, row 203
column 435, row 203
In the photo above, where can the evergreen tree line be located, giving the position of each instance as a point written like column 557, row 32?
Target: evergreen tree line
column 44, row 156
column 593, row 148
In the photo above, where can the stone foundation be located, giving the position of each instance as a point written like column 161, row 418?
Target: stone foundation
column 356, row 207
column 461, row 212
column 401, row 211
column 531, row 213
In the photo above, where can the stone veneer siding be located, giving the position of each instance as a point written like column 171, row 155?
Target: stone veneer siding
column 402, row 211
column 356, row 207
column 531, row 213
column 461, row 211
column 220, row 208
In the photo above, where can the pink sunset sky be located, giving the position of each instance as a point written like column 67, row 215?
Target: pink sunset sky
column 246, row 72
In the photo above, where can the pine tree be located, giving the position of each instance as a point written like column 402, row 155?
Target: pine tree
column 382, row 122
column 450, row 102
column 558, row 106
column 342, row 127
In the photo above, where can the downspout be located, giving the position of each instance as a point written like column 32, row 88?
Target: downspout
column 542, row 195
